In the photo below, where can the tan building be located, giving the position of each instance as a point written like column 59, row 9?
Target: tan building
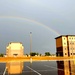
column 14, row 49
column 65, row 45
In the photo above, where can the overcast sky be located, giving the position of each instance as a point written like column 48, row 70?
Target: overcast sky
column 46, row 19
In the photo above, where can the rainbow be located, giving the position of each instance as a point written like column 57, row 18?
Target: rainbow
column 33, row 21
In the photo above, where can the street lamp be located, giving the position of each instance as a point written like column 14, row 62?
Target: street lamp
column 30, row 43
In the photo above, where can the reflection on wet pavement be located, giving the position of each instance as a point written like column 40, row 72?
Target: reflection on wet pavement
column 14, row 67
column 66, row 67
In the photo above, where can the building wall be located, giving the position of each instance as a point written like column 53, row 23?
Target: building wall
column 59, row 42
column 14, row 49
column 61, row 46
column 71, row 45
column 65, row 45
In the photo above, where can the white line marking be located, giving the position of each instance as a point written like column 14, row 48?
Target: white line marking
column 33, row 70
column 39, row 70
column 4, row 71
column 50, row 66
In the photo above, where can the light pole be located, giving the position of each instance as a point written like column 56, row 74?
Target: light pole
column 30, row 43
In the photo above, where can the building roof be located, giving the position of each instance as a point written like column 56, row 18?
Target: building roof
column 15, row 42
column 15, row 45
column 63, row 35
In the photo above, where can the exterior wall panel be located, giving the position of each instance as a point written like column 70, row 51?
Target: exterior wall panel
column 59, row 42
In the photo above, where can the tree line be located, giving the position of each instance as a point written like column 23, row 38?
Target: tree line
column 1, row 54
column 35, row 53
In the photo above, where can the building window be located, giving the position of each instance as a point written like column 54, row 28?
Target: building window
column 65, row 53
column 73, row 43
column 70, row 43
column 69, row 38
column 71, row 48
column 71, row 53
column 64, row 43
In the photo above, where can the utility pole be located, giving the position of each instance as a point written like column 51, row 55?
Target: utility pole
column 30, row 43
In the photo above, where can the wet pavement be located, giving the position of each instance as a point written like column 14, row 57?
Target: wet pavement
column 38, row 68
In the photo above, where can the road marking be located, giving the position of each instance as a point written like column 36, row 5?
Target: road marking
column 33, row 70
column 4, row 71
column 50, row 66
column 39, row 70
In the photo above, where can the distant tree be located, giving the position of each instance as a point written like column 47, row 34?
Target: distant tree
column 37, row 53
column 47, row 54
column 40, row 54
column 32, row 54
column 1, row 55
column 26, row 54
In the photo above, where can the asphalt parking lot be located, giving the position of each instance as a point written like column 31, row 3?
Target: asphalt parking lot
column 40, row 68
column 35, row 68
